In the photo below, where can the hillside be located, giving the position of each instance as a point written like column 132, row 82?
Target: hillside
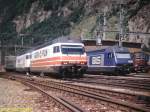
column 41, row 20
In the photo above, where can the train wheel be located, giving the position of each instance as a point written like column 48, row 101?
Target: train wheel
column 42, row 74
column 63, row 73
column 116, row 73
column 28, row 74
column 80, row 74
column 145, row 71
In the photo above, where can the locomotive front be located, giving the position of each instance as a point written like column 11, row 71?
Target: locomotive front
column 140, row 62
column 73, row 59
column 124, row 61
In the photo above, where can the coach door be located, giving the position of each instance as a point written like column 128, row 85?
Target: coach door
column 56, row 55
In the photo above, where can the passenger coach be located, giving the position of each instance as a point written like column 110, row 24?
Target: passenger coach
column 23, row 63
column 10, row 63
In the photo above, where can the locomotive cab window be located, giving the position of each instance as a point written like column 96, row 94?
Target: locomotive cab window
column 72, row 49
column 139, row 55
column 56, row 49
column 123, row 55
column 110, row 55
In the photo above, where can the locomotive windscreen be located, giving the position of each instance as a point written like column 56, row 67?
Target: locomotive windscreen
column 139, row 55
column 123, row 55
column 72, row 49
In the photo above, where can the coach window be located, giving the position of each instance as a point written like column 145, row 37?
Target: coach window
column 44, row 53
column 27, row 56
column 56, row 49
column 31, row 56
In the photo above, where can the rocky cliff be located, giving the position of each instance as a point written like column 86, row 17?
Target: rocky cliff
column 44, row 19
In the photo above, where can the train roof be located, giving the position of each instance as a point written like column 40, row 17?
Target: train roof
column 10, row 56
column 110, row 49
column 57, row 40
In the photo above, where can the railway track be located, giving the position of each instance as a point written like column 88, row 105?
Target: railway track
column 124, row 82
column 128, row 77
column 124, row 101
column 114, row 83
column 111, row 100
column 124, row 96
column 65, row 105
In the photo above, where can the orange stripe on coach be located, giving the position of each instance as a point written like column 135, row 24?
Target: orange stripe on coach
column 46, row 63
column 65, row 58
column 56, row 60
column 47, row 59
column 73, row 58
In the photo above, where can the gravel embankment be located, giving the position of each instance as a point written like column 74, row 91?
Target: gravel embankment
column 14, row 95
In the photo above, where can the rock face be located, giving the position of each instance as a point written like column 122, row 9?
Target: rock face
column 141, row 23
column 73, row 17
column 35, row 14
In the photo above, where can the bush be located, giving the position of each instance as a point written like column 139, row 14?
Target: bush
column 53, row 4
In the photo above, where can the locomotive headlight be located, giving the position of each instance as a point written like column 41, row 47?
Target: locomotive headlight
column 83, row 63
column 130, row 61
column 64, row 63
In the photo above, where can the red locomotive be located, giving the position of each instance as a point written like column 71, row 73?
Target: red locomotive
column 140, row 62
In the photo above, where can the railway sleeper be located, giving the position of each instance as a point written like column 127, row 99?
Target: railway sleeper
column 111, row 100
column 62, row 101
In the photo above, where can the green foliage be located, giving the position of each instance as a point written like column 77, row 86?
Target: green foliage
column 9, row 27
column 51, row 28
column 77, row 14
column 146, row 49
column 54, row 26
column 22, row 6
column 10, row 9
column 53, row 4
column 141, row 4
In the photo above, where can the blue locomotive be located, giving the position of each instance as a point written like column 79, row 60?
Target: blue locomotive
column 115, row 60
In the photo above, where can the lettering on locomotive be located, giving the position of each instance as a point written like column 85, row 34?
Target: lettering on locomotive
column 96, row 60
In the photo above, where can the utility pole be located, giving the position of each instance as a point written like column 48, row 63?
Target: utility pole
column 98, row 38
column 99, row 32
column 121, row 29
column 104, row 23
column 121, row 20
column 2, row 51
column 22, row 38
column 15, row 52
column 22, row 43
